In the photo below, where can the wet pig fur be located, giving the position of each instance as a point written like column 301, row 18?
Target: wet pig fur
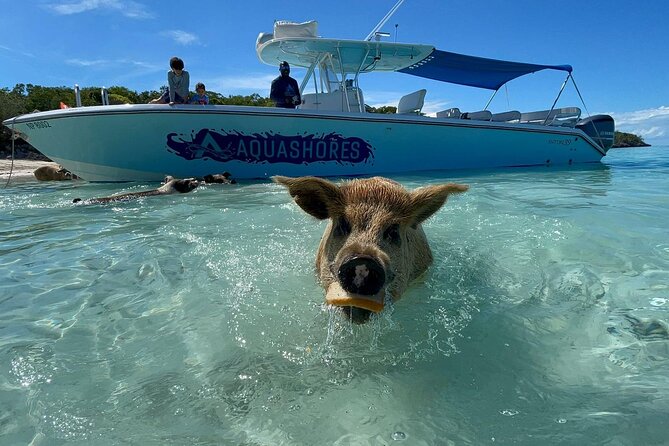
column 53, row 173
column 171, row 186
column 374, row 219
column 219, row 178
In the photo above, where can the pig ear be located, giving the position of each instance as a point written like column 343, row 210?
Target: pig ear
column 316, row 196
column 428, row 200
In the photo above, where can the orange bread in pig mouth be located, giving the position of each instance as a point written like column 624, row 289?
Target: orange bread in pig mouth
column 339, row 297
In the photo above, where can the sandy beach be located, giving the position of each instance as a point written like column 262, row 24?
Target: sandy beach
column 21, row 172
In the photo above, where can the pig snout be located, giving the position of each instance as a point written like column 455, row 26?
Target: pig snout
column 362, row 275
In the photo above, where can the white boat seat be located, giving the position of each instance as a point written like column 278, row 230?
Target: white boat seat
column 483, row 115
column 567, row 117
column 450, row 113
column 509, row 116
column 562, row 117
column 412, row 103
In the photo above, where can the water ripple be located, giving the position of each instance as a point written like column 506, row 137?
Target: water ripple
column 198, row 319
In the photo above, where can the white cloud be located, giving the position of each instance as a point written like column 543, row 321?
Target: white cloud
column 377, row 98
column 110, row 63
column 126, row 7
column 641, row 115
column 181, row 37
column 649, row 123
column 116, row 71
column 259, row 83
column 432, row 107
column 140, row 64
column 653, row 132
column 87, row 63
column 11, row 50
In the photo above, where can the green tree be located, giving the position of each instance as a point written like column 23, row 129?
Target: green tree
column 622, row 139
column 12, row 103
column 117, row 99
column 384, row 109
column 254, row 100
column 48, row 98
column 127, row 95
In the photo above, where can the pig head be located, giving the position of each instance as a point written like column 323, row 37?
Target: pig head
column 374, row 243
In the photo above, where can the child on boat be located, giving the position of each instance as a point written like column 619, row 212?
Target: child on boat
column 200, row 97
column 178, row 81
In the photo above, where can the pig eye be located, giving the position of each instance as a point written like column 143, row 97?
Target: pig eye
column 343, row 227
column 392, row 234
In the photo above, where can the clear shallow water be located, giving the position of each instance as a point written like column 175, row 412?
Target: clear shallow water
column 197, row 319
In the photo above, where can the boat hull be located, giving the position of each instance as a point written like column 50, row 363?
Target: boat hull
column 147, row 142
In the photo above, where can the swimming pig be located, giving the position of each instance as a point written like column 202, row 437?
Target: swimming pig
column 374, row 241
column 219, row 178
column 171, row 186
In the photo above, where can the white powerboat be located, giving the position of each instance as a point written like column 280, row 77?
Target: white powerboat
column 330, row 133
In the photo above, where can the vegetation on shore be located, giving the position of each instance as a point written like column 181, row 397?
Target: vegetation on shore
column 26, row 98
column 622, row 139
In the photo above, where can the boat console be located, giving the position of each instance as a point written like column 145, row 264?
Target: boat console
column 334, row 101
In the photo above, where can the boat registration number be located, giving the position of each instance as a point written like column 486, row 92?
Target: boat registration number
column 38, row 125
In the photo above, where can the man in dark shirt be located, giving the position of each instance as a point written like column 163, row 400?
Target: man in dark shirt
column 285, row 92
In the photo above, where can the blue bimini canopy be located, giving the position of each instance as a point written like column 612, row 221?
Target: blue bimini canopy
column 474, row 71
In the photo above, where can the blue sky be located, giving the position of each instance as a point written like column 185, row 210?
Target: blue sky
column 618, row 48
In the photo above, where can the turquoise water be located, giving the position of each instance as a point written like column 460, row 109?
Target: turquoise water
column 197, row 319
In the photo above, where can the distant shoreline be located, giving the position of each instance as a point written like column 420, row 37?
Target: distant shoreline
column 636, row 146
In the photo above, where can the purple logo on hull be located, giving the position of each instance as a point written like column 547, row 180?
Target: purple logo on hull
column 270, row 148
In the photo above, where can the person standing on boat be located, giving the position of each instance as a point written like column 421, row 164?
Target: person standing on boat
column 285, row 92
column 178, row 81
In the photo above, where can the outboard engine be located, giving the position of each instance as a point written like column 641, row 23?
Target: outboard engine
column 601, row 128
